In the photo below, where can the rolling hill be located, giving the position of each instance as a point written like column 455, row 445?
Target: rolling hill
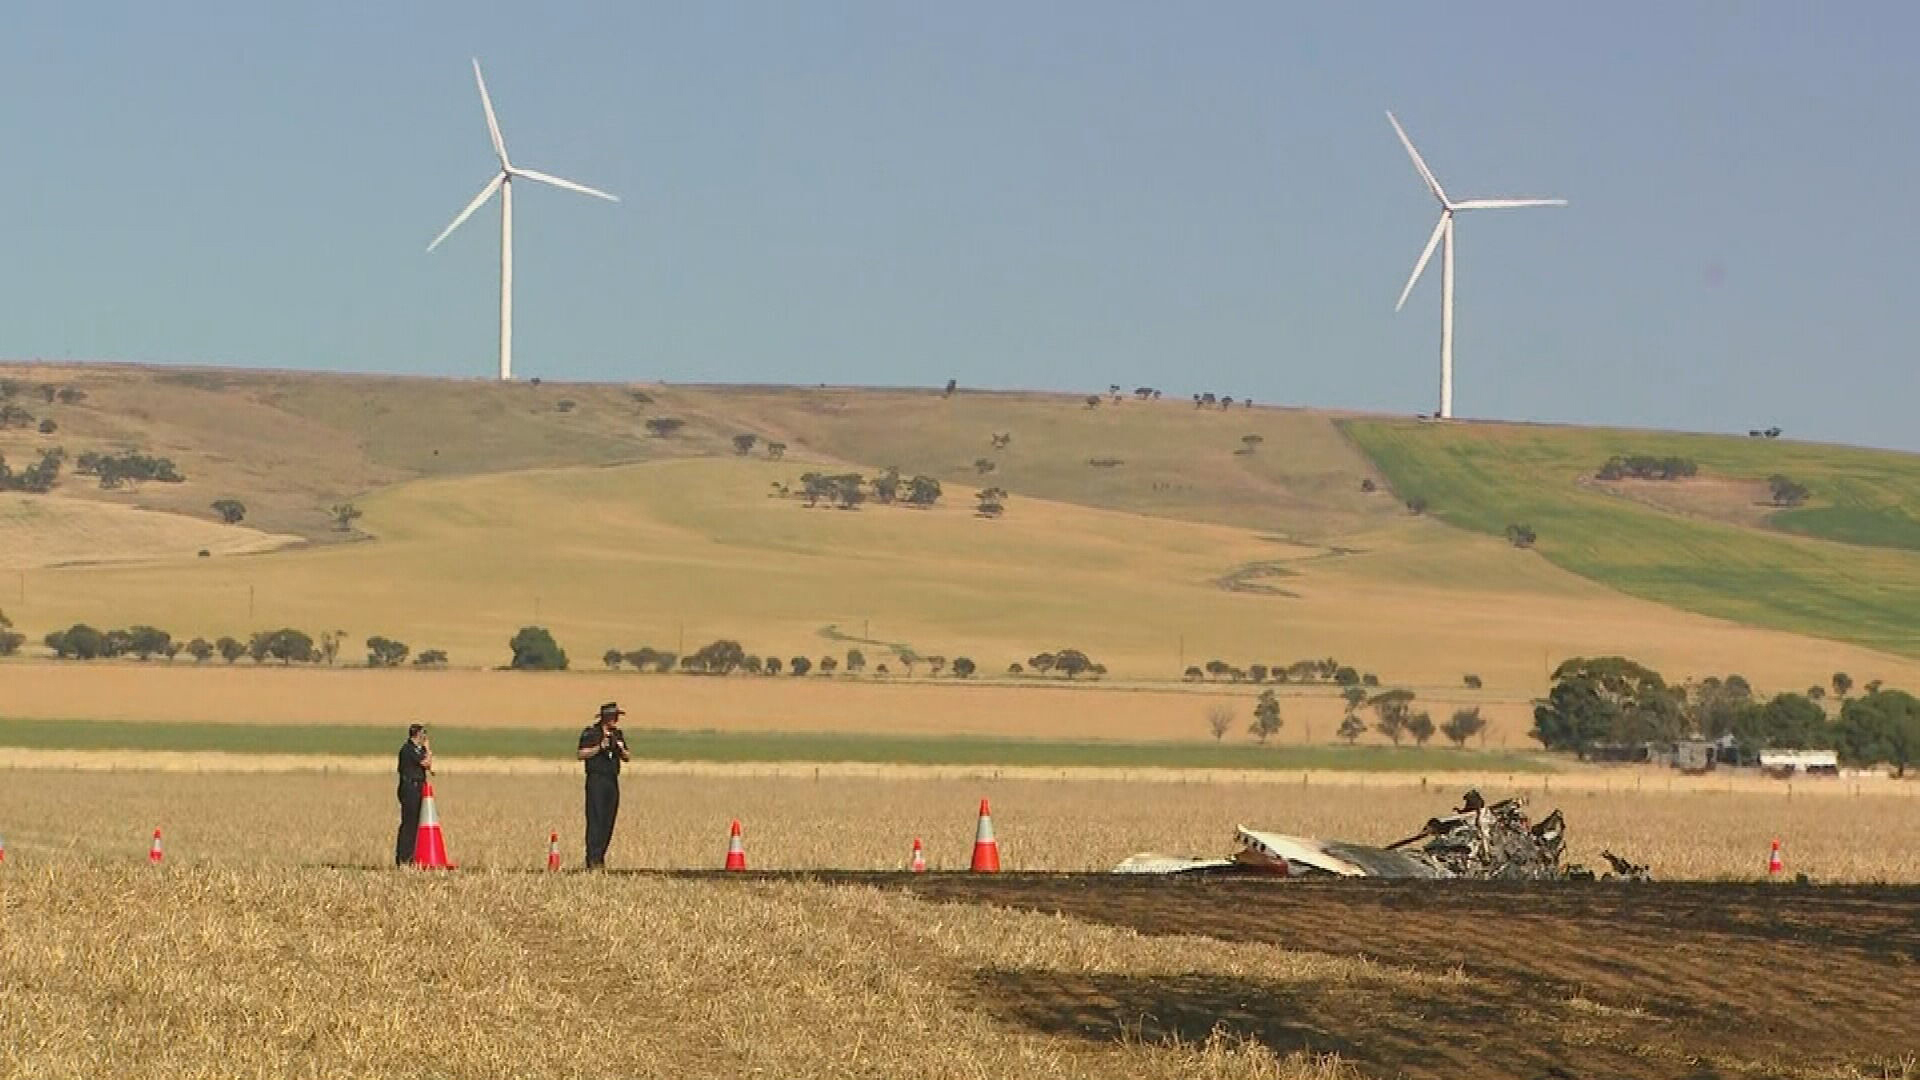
column 1152, row 534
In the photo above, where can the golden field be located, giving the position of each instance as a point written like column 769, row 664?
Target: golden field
column 795, row 822
column 676, row 554
column 246, row 955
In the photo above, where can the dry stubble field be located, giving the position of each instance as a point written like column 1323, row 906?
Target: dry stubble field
column 247, row 954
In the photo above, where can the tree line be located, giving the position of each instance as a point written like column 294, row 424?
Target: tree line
column 1395, row 717
column 286, row 645
column 1325, row 670
column 727, row 657
column 1612, row 701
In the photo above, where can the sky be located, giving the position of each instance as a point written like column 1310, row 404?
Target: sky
column 1016, row 195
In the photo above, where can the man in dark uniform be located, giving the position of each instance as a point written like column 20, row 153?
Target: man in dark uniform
column 416, row 761
column 603, row 747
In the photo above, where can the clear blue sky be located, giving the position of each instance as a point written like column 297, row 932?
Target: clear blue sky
column 1059, row 195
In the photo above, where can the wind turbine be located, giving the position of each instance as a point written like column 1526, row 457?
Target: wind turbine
column 502, row 182
column 1444, row 231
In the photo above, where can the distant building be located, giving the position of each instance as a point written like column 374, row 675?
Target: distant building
column 1800, row 762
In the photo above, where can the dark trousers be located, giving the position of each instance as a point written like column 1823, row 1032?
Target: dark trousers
column 603, row 805
column 409, row 822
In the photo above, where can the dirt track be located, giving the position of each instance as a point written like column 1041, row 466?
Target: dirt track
column 1692, row 980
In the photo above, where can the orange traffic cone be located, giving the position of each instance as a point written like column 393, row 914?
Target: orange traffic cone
column 919, row 863
column 1773, row 860
column 154, row 855
column 553, row 850
column 986, row 850
column 736, row 850
column 429, row 845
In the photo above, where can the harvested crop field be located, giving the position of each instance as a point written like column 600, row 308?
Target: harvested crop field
column 1524, row 980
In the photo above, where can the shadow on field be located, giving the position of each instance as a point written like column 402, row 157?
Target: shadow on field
column 1384, row 1026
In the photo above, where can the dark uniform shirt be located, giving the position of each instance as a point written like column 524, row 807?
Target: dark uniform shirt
column 607, row 761
column 413, row 762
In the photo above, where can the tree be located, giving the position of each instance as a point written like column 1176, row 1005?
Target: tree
column 613, row 658
column 1472, row 682
column 1015, row 668
column 535, row 650
column 1842, row 683
column 344, row 515
column 10, row 639
column 79, row 642
column 1001, row 440
column 1193, row 673
column 330, row 645
column 1072, row 662
column 923, row 491
column 230, row 649
column 200, row 649
column 1417, row 505
column 1041, row 663
column 663, row 427
column 1420, row 726
column 1392, row 711
column 1606, row 699
column 1266, row 717
column 48, row 426
column 386, row 652
column 1219, row 719
column 1249, row 443
column 433, row 658
column 886, row 485
column 776, row 451
column 1787, row 492
column 992, row 503
column 1816, row 692
column 1352, row 727
column 1464, row 725
column 983, row 466
column 1521, row 536
column 771, row 665
column 856, row 661
column 1881, row 727
column 1218, row 668
column 1346, row 676
column 963, row 667
column 743, row 443
column 952, row 385
column 1354, row 696
column 145, row 641
column 829, row 664
column 936, row 663
column 1093, row 401
column 231, row 511
column 286, row 645
column 799, row 665
column 1367, row 486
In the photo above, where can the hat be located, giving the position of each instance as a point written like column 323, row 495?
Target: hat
column 611, row 708
column 415, row 729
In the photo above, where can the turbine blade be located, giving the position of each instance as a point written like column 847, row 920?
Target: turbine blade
column 486, row 193
column 493, row 125
column 1506, row 204
column 560, row 183
column 1425, row 256
column 1426, row 174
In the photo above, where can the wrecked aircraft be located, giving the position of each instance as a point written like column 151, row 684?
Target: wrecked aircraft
column 1478, row 841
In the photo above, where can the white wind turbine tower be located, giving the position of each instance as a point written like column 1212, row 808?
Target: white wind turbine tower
column 503, row 183
column 1444, row 231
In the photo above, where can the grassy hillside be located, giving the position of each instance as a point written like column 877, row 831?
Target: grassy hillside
column 677, row 553
column 1852, row 575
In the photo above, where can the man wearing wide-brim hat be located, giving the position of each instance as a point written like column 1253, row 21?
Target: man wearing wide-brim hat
column 602, row 748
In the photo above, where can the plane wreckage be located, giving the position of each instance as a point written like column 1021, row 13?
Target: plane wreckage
column 1478, row 841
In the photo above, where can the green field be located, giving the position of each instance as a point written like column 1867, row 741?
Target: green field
column 452, row 743
column 1851, row 576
